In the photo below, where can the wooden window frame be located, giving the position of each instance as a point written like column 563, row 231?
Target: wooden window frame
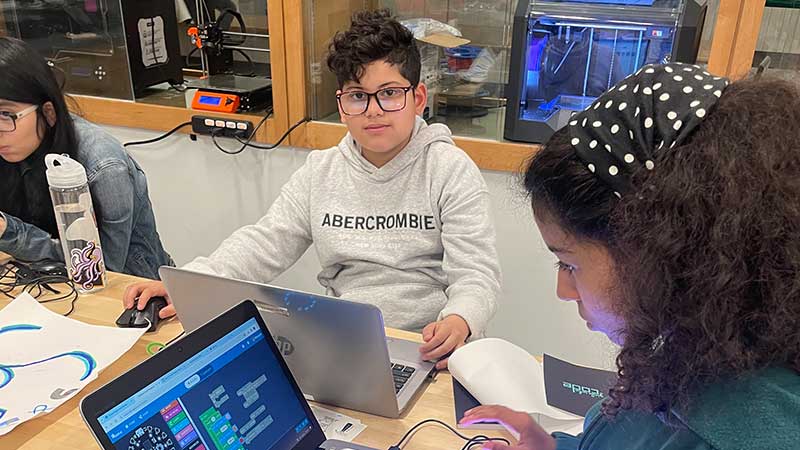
column 735, row 35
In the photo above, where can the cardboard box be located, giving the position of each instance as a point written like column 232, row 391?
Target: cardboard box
column 431, row 56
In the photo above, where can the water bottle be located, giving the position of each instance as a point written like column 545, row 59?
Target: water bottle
column 77, row 228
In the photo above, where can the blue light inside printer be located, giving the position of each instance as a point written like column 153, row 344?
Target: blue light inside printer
column 569, row 65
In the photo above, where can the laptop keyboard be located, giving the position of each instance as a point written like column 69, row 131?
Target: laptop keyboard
column 401, row 375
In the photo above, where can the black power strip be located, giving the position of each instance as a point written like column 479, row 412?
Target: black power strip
column 217, row 126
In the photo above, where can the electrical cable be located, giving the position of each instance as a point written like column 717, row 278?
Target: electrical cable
column 73, row 293
column 249, row 60
column 189, row 55
column 9, row 281
column 242, row 26
column 470, row 442
column 280, row 140
column 480, row 439
column 160, row 138
column 175, row 339
column 153, row 40
column 214, row 135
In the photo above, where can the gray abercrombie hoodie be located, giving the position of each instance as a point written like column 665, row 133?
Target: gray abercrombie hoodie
column 413, row 237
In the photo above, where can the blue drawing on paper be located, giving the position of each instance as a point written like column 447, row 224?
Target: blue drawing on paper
column 7, row 370
column 20, row 327
column 39, row 409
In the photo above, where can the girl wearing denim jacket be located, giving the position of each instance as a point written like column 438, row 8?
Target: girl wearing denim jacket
column 35, row 121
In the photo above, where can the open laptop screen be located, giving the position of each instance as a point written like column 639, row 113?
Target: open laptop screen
column 232, row 395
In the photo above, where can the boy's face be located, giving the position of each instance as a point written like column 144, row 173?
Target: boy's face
column 379, row 131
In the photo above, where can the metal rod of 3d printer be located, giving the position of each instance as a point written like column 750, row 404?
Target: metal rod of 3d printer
column 602, row 26
column 588, row 61
column 236, row 33
column 204, row 65
column 613, row 57
column 251, row 49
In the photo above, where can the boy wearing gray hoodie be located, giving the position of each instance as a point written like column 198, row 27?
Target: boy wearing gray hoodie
column 398, row 213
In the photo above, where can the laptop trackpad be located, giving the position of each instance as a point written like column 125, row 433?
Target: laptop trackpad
column 406, row 352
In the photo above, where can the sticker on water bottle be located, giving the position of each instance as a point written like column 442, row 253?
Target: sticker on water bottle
column 87, row 266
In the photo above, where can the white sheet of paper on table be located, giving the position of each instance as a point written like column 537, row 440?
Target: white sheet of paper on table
column 46, row 358
column 335, row 425
column 497, row 372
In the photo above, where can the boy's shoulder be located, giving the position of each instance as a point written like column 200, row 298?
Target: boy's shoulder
column 324, row 157
column 449, row 156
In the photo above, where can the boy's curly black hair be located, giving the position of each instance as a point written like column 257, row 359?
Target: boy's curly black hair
column 707, row 255
column 373, row 36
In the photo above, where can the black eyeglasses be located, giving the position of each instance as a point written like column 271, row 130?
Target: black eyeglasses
column 390, row 99
column 8, row 120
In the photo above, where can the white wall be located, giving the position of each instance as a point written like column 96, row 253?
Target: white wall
column 201, row 195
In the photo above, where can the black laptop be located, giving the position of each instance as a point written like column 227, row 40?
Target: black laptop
column 224, row 386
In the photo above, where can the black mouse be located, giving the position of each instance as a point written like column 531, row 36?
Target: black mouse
column 133, row 318
column 28, row 272
column 50, row 268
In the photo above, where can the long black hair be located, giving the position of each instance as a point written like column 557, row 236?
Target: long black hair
column 25, row 77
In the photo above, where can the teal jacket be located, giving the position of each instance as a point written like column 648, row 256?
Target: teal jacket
column 760, row 411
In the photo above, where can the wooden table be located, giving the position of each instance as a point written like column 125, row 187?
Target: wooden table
column 64, row 429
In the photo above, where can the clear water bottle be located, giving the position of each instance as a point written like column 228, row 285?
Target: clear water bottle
column 77, row 228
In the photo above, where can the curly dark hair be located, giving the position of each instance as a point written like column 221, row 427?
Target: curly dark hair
column 706, row 250
column 373, row 36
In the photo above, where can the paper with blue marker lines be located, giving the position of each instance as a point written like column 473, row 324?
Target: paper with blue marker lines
column 46, row 359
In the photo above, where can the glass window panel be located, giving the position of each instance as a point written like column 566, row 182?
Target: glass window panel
column 779, row 39
column 86, row 39
column 466, row 84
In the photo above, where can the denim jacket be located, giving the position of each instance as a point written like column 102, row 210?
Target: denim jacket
column 122, row 207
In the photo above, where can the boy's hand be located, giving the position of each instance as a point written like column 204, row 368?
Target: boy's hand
column 140, row 293
column 2, row 225
column 442, row 338
column 531, row 435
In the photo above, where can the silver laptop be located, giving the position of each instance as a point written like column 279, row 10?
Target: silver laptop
column 337, row 349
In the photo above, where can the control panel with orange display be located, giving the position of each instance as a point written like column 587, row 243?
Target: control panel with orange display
column 215, row 101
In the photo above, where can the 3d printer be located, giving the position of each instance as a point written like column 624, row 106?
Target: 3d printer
column 112, row 48
column 566, row 53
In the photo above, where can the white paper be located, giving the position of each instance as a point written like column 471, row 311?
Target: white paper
column 46, row 359
column 335, row 425
column 152, row 41
column 497, row 372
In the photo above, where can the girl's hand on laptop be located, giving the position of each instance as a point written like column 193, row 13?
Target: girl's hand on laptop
column 442, row 338
column 139, row 294
column 531, row 435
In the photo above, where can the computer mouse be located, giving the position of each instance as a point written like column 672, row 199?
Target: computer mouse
column 146, row 318
column 50, row 268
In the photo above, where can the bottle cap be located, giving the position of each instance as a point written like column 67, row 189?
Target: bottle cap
column 64, row 172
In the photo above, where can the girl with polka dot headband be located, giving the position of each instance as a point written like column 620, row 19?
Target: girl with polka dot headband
column 672, row 204
column 656, row 108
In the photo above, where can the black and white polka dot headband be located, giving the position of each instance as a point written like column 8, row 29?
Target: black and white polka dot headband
column 655, row 109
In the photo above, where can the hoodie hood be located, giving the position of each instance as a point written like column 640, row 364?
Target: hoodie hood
column 422, row 137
